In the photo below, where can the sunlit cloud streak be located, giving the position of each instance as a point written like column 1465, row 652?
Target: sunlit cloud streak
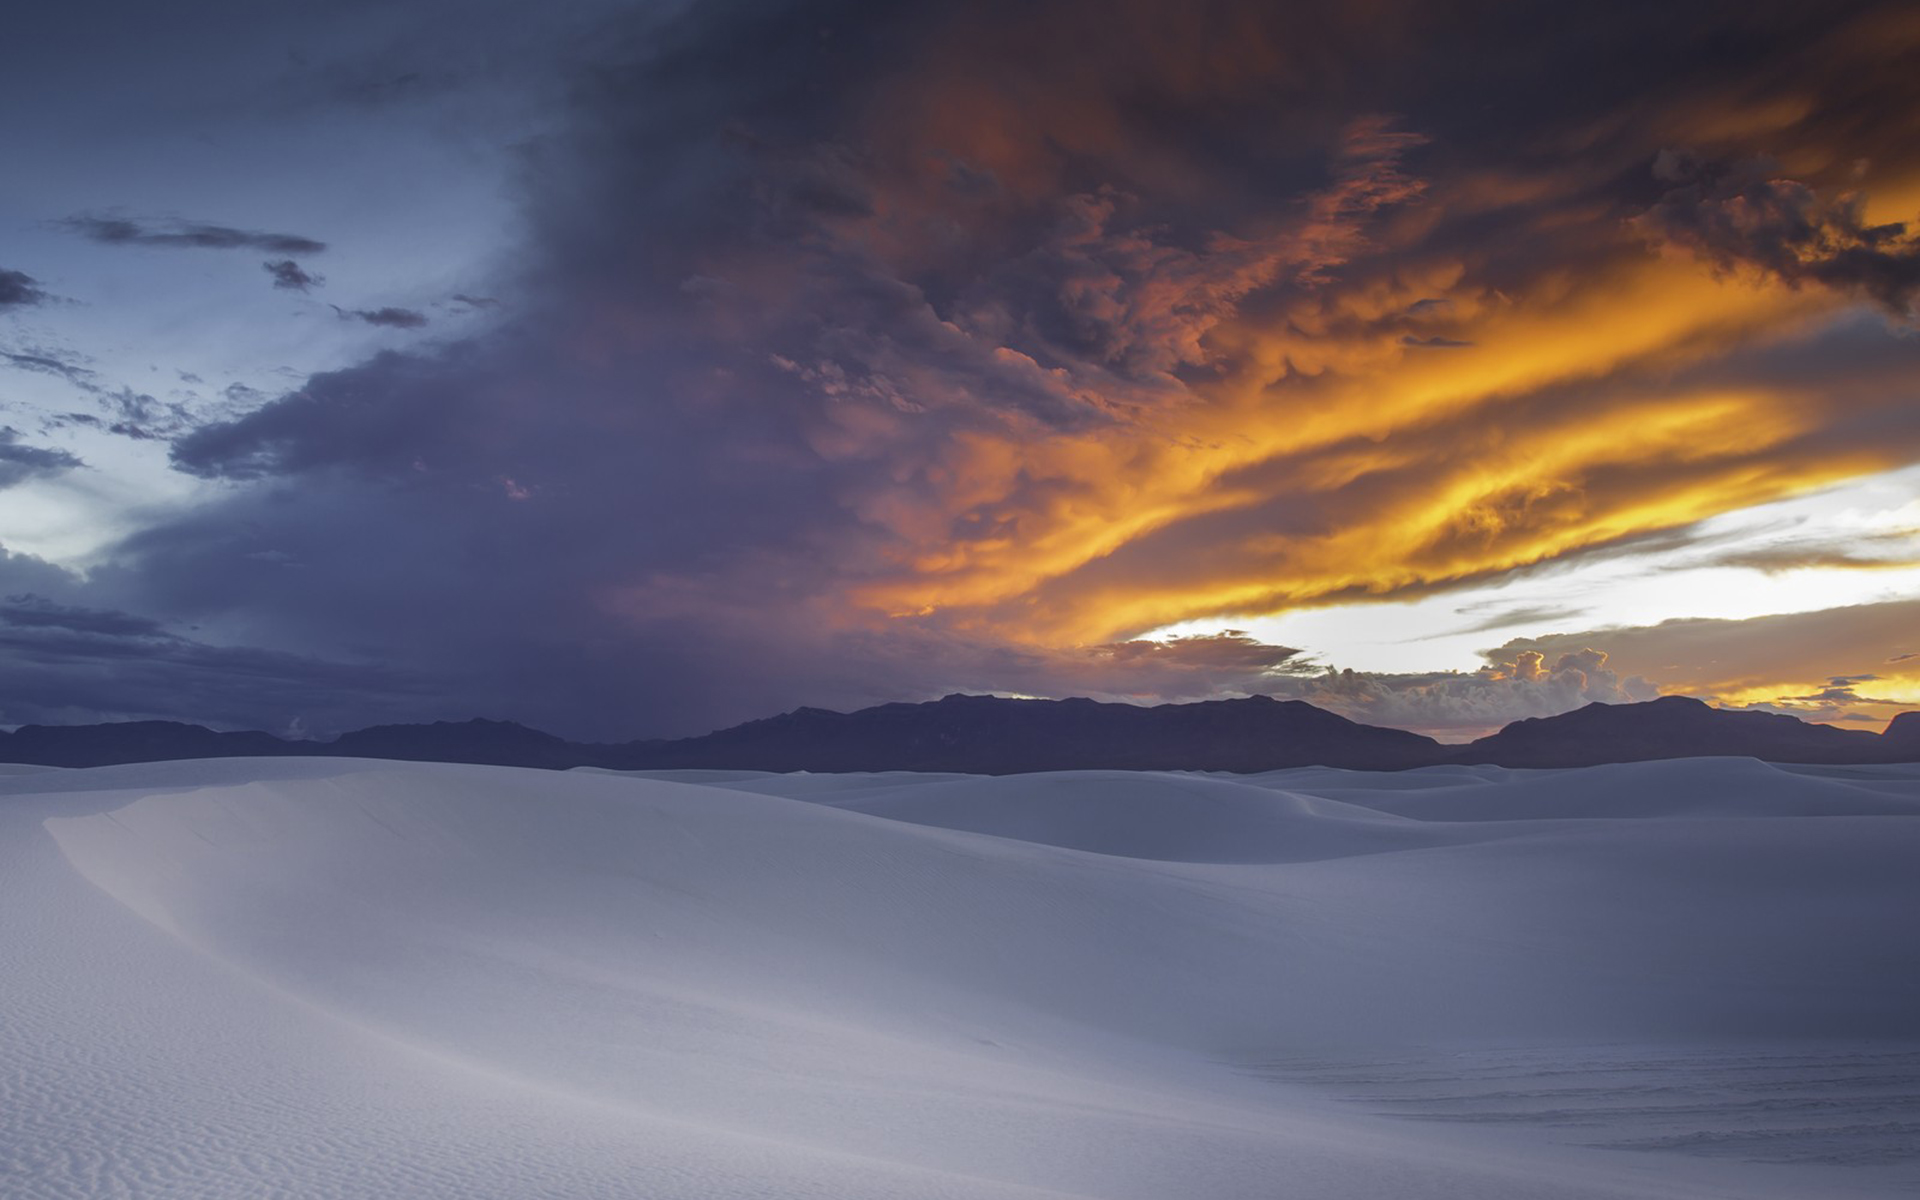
column 839, row 368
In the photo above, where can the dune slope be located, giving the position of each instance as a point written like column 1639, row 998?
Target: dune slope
column 342, row 978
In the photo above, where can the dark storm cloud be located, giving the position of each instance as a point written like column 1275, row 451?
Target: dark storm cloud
column 20, row 463
column 389, row 318
column 37, row 612
column 1740, row 216
column 189, row 235
column 291, row 276
column 69, row 661
column 19, row 290
column 76, row 665
column 854, row 346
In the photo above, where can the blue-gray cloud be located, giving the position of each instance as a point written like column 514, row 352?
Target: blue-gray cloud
column 388, row 318
column 289, row 275
column 19, row 463
column 19, row 290
column 188, row 235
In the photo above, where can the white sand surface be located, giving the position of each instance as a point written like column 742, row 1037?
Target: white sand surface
column 338, row 978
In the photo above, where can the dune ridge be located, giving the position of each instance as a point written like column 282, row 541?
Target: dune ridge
column 346, row 978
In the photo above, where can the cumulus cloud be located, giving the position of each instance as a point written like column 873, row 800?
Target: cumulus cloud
column 1773, row 663
column 188, row 235
column 1460, row 706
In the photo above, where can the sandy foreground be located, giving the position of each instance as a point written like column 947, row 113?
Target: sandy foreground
column 327, row 979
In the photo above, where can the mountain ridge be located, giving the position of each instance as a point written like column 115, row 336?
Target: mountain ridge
column 995, row 735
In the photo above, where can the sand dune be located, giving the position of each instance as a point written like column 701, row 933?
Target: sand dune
column 344, row 978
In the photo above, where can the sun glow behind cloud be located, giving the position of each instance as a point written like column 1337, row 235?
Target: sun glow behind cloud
column 965, row 346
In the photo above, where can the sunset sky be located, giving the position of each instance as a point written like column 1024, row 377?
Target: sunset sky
column 635, row 369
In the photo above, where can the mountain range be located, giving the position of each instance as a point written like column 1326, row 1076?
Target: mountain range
column 993, row 735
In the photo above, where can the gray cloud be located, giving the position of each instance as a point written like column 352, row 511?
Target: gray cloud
column 20, row 463
column 1508, row 618
column 19, row 290
column 390, row 318
column 189, row 235
column 38, row 612
column 42, row 361
column 291, row 276
column 1867, row 552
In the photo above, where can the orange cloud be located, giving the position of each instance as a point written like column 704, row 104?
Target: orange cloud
column 1787, row 662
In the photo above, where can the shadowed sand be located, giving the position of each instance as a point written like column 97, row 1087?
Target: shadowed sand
column 343, row 978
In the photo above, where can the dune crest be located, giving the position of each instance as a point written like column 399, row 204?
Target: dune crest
column 362, row 978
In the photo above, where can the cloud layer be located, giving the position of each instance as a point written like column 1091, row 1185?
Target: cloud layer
column 862, row 352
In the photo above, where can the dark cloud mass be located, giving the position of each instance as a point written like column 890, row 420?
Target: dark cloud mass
column 189, row 235
column 19, row 290
column 1739, row 217
column 864, row 352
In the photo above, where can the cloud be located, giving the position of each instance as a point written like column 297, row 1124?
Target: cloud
column 189, row 235
column 42, row 361
column 37, row 612
column 390, row 318
column 842, row 368
column 59, row 674
column 291, row 276
column 19, row 290
column 20, row 463
column 1508, row 618
column 1738, row 217
column 1771, row 662
column 1866, row 551
column 1460, row 706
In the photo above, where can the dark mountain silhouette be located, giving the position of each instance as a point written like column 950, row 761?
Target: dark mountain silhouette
column 131, row 741
column 1903, row 735
column 492, row 743
column 1673, row 727
column 993, row 735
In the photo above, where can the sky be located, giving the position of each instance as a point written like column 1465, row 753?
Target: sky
column 634, row 369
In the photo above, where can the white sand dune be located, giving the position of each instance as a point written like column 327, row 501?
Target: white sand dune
column 338, row 978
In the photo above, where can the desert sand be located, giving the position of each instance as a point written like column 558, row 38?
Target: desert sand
column 334, row 979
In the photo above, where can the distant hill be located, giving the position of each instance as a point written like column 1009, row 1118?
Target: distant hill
column 1678, row 727
column 132, row 741
column 992, row 735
